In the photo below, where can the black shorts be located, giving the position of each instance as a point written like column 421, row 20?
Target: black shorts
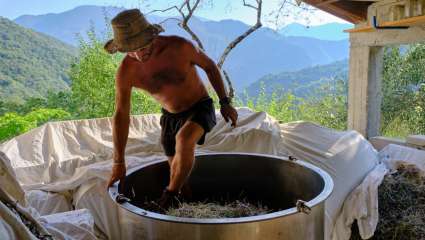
column 202, row 113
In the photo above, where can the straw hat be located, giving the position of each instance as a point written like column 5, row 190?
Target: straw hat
column 131, row 32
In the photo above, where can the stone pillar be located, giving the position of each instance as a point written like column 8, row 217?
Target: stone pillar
column 364, row 89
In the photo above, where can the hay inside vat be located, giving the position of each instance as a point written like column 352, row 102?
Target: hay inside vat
column 216, row 210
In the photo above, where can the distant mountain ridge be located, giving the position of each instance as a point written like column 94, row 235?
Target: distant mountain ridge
column 301, row 83
column 66, row 25
column 329, row 31
column 263, row 52
column 31, row 63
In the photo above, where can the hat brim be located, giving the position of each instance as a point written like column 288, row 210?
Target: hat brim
column 135, row 42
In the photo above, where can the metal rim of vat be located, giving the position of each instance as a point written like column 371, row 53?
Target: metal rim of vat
column 324, row 194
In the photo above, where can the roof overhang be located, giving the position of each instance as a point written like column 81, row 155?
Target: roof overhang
column 354, row 11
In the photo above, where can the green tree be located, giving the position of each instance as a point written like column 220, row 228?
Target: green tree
column 12, row 124
column 326, row 106
column 403, row 105
column 93, row 83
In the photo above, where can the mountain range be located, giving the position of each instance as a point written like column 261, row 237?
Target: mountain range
column 328, row 31
column 31, row 63
column 302, row 82
column 263, row 52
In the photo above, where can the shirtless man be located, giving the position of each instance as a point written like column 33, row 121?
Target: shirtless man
column 164, row 66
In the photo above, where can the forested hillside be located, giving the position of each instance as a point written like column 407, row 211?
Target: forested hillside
column 31, row 63
column 263, row 52
column 301, row 83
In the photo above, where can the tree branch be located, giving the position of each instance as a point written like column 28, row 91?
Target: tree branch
column 249, row 5
column 183, row 23
column 231, row 90
column 162, row 10
column 185, row 17
column 242, row 36
column 167, row 19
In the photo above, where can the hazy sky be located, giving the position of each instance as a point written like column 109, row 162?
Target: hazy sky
column 222, row 9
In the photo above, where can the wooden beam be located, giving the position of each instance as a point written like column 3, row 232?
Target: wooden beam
column 350, row 12
column 412, row 21
column 381, row 37
column 359, row 9
column 333, row 1
column 326, row 2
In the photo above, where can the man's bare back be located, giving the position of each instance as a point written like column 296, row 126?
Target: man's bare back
column 169, row 74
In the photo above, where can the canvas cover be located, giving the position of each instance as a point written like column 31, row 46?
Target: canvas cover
column 345, row 155
column 73, row 158
column 15, row 212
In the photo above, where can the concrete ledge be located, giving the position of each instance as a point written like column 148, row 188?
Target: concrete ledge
column 417, row 140
column 380, row 142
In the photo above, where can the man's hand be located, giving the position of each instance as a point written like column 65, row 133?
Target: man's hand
column 118, row 173
column 229, row 113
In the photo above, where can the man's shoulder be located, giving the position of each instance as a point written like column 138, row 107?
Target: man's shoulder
column 175, row 40
column 125, row 70
column 125, row 65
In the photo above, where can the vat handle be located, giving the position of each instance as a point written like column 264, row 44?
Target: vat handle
column 122, row 199
column 292, row 158
column 303, row 207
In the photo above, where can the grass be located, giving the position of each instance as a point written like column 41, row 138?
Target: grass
column 234, row 209
column 401, row 206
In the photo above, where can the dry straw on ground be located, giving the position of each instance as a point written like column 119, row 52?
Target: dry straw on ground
column 401, row 206
column 215, row 210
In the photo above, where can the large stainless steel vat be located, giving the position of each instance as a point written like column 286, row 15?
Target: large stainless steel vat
column 275, row 181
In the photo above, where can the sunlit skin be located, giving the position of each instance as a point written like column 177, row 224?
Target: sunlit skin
column 168, row 74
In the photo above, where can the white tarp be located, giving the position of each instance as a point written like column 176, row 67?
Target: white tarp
column 8, row 182
column 72, row 155
column 62, row 155
column 75, row 156
column 362, row 203
column 48, row 202
column 73, row 225
column 345, row 155
column 394, row 155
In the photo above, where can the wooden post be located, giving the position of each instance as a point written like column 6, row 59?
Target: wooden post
column 364, row 94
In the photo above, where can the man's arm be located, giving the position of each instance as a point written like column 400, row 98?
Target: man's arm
column 199, row 58
column 208, row 65
column 120, row 126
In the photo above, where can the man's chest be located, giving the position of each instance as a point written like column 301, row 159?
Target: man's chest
column 158, row 73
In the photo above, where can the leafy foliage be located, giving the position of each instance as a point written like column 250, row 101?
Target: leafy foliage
column 403, row 105
column 12, row 124
column 327, row 107
column 93, row 80
column 302, row 82
column 92, row 94
column 31, row 63
column 93, row 83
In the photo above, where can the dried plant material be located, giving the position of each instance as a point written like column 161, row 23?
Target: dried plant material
column 215, row 210
column 401, row 206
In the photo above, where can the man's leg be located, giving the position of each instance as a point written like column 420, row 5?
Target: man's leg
column 186, row 191
column 182, row 162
